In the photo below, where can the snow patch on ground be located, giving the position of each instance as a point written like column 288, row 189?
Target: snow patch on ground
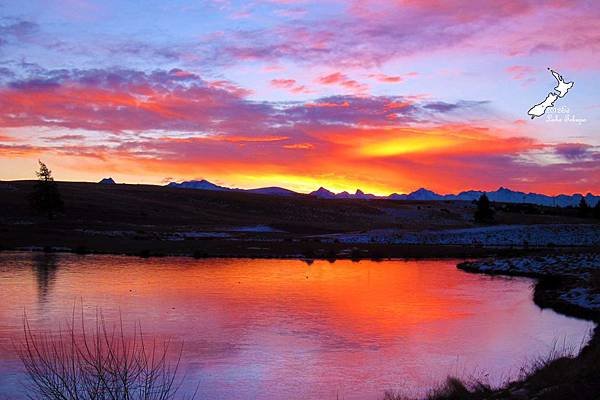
column 255, row 228
column 109, row 233
column 578, row 265
column 504, row 235
column 175, row 236
column 54, row 249
column 584, row 267
column 181, row 235
column 582, row 297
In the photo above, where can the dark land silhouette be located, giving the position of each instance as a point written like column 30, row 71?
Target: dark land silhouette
column 152, row 220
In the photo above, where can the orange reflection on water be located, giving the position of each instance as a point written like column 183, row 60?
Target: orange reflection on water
column 271, row 329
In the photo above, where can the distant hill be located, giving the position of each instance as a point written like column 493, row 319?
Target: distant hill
column 206, row 185
column 273, row 190
column 419, row 194
column 503, row 195
column 203, row 185
column 509, row 196
column 107, row 181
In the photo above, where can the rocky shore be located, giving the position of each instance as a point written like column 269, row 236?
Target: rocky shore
column 569, row 283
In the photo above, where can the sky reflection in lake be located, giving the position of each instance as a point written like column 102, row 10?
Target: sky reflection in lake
column 273, row 329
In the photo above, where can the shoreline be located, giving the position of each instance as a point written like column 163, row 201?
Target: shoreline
column 576, row 377
column 551, row 284
column 259, row 248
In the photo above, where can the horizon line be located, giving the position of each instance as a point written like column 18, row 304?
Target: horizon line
column 308, row 193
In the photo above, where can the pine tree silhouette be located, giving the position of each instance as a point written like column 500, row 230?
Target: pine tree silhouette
column 583, row 209
column 45, row 198
column 484, row 212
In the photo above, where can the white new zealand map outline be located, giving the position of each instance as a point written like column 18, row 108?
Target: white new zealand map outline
column 561, row 89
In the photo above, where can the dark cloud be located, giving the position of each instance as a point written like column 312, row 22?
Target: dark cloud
column 575, row 151
column 441, row 106
column 121, row 99
column 19, row 29
column 115, row 100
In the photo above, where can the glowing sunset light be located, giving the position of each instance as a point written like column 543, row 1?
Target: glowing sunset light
column 408, row 145
column 357, row 199
column 306, row 184
column 301, row 95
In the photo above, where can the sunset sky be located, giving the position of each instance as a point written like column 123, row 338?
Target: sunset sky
column 386, row 96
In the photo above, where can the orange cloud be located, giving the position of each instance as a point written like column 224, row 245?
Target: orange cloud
column 390, row 78
column 233, row 138
column 142, row 127
column 328, row 104
column 303, row 146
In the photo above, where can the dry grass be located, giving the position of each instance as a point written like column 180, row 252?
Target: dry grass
column 558, row 375
column 452, row 389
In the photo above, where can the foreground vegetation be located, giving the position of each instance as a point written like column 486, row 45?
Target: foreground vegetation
column 556, row 377
column 97, row 363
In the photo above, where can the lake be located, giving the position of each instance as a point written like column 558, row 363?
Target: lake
column 288, row 329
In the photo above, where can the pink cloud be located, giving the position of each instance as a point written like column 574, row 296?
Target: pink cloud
column 338, row 78
column 378, row 31
column 520, row 72
column 387, row 78
column 289, row 84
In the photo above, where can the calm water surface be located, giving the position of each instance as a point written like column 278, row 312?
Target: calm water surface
column 283, row 329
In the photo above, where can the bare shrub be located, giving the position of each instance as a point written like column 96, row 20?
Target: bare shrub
column 103, row 363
